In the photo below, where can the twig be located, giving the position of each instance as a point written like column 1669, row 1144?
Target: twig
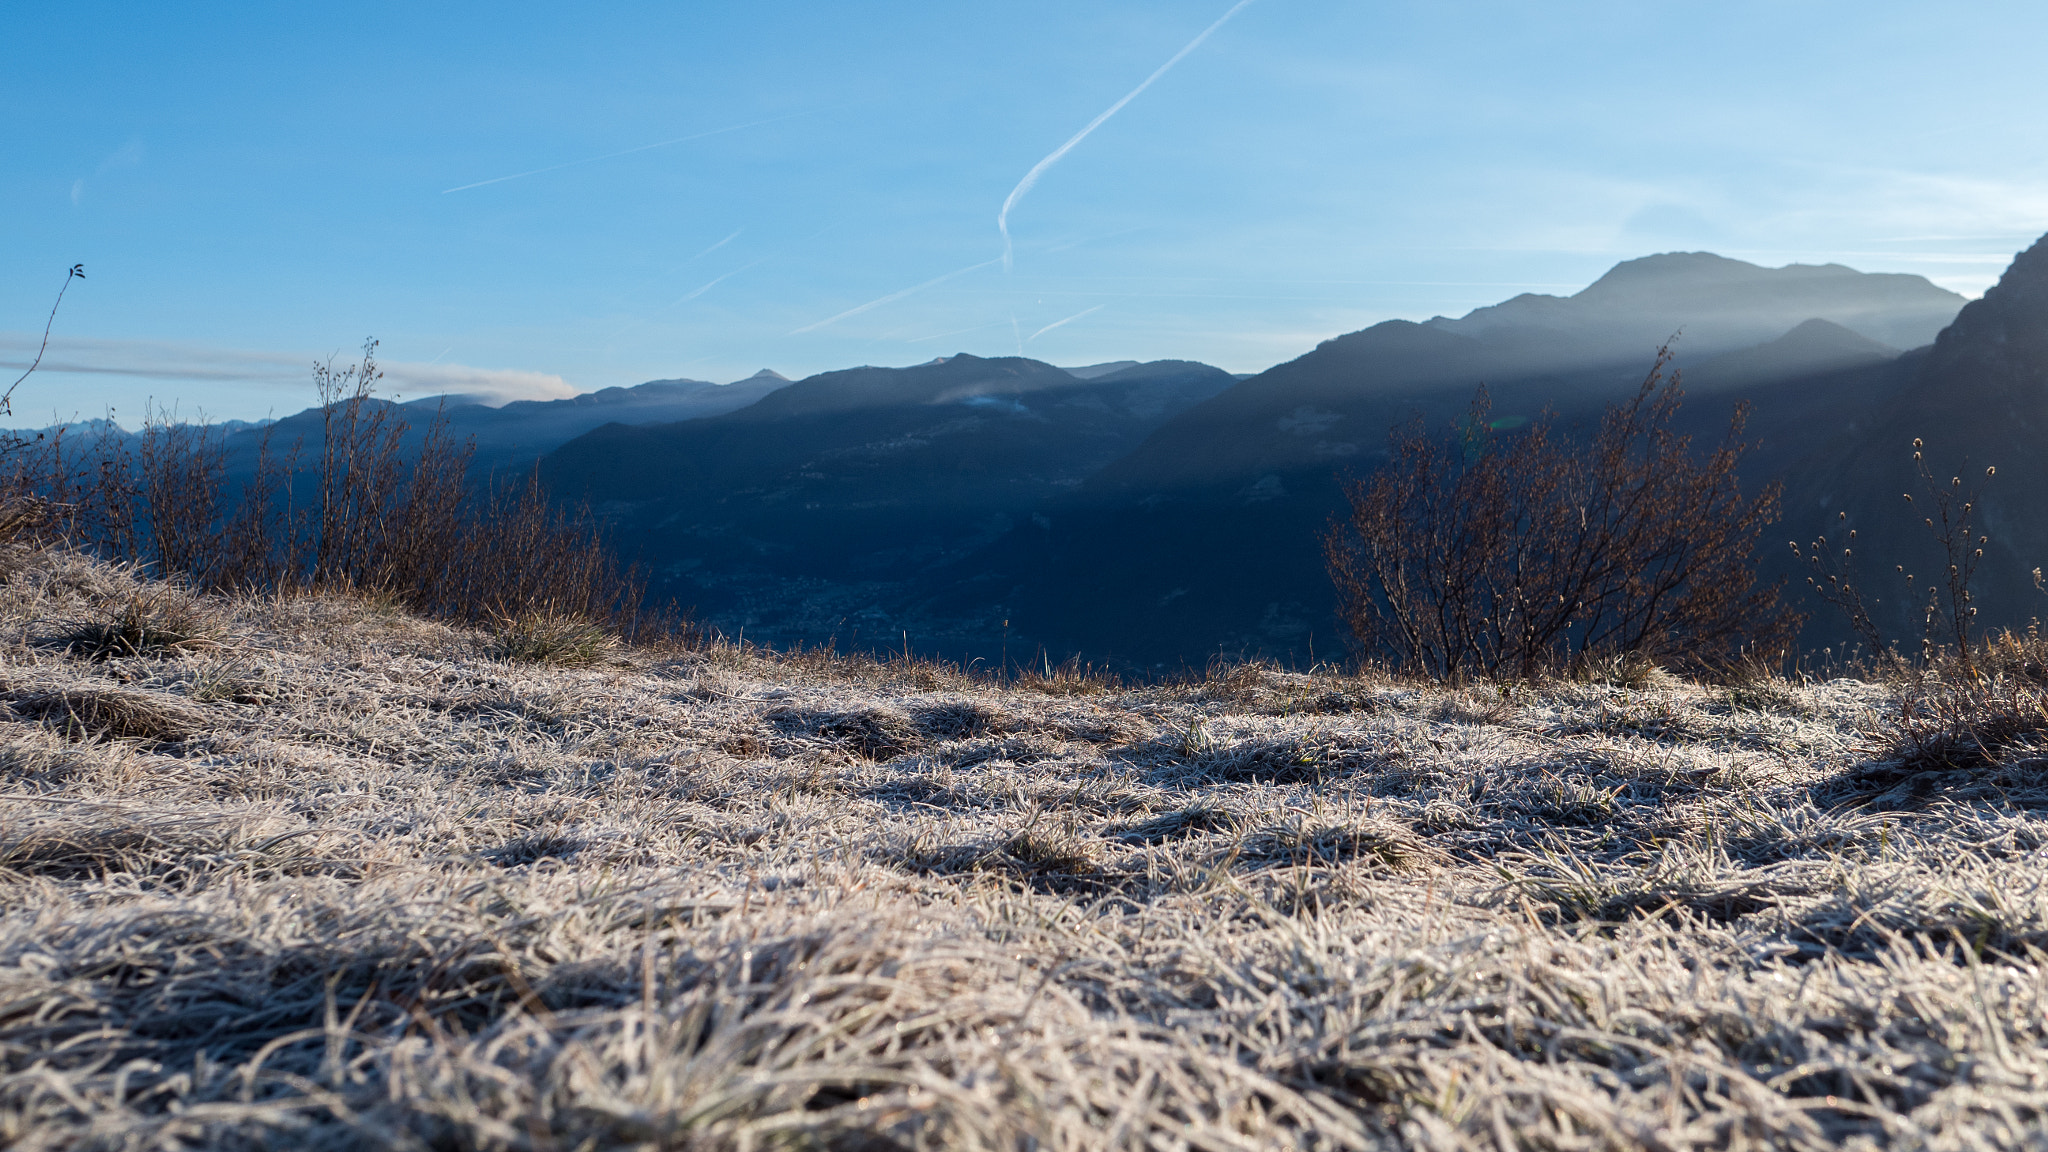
column 7, row 398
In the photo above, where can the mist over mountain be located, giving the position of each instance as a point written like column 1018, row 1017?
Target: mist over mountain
column 521, row 432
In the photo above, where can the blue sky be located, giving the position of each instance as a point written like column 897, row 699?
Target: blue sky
column 701, row 188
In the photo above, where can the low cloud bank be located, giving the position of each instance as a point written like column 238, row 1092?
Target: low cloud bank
column 201, row 365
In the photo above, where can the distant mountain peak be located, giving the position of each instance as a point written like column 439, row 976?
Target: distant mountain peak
column 1809, row 349
column 768, row 374
column 1701, row 268
column 1720, row 304
column 1817, row 332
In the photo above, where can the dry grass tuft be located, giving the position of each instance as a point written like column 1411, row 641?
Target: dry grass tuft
column 1180, row 823
column 1304, row 839
column 151, row 622
column 1046, row 848
column 1956, row 733
column 106, row 714
column 561, row 639
column 876, row 734
column 90, row 841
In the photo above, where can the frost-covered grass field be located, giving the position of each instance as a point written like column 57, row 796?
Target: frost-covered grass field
column 313, row 873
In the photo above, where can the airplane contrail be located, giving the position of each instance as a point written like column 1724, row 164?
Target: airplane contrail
column 892, row 297
column 1038, row 169
column 1057, row 323
column 715, row 247
column 627, row 152
column 693, row 293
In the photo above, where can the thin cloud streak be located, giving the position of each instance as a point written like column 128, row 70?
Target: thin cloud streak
column 703, row 288
column 628, row 152
column 892, row 297
column 1039, row 169
column 72, row 367
column 693, row 293
column 1061, row 323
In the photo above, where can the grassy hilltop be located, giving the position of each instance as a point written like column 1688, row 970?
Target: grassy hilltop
column 312, row 872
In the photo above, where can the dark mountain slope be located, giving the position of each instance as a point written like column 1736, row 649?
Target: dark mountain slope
column 1978, row 397
column 815, row 502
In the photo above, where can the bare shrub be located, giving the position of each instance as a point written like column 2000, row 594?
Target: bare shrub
column 357, row 511
column 22, row 510
column 1497, row 555
column 1951, row 519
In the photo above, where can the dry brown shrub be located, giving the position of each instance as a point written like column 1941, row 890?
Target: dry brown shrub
column 357, row 512
column 1514, row 555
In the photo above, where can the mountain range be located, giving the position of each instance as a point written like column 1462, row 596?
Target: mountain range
column 1153, row 515
column 512, row 438
column 977, row 507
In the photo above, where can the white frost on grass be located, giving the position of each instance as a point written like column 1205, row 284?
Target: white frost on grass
column 340, row 878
